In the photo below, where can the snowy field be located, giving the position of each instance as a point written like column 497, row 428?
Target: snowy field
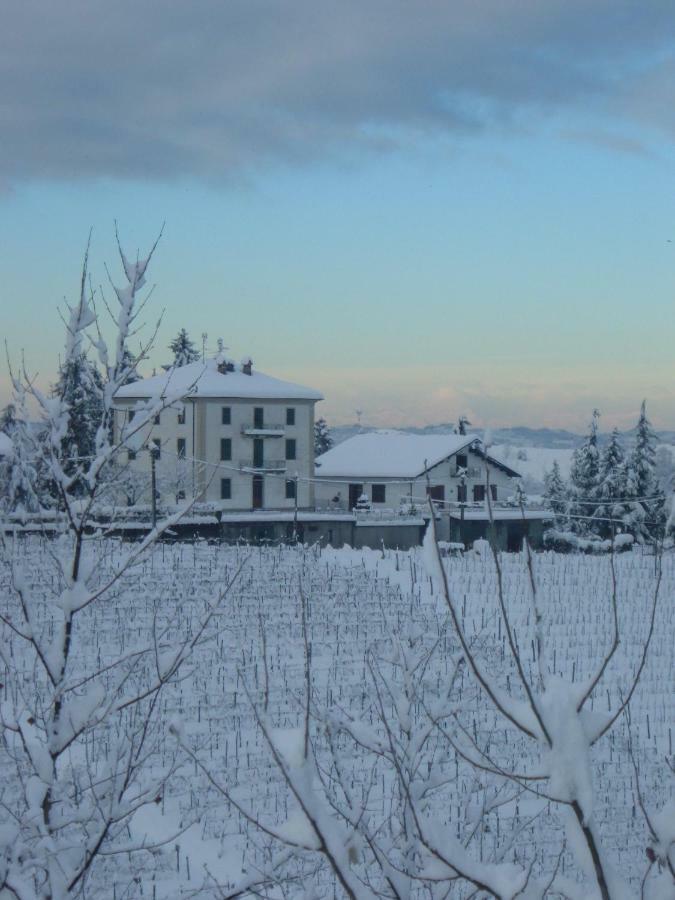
column 359, row 602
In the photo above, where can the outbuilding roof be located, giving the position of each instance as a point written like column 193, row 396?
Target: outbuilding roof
column 204, row 380
column 395, row 454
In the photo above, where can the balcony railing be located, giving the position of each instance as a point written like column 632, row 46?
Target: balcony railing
column 263, row 430
column 468, row 472
column 265, row 465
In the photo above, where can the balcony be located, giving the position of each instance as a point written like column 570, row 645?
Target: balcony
column 263, row 430
column 468, row 472
column 265, row 465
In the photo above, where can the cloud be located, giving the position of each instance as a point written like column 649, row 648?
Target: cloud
column 220, row 88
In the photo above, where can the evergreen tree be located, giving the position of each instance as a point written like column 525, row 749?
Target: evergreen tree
column 8, row 421
column 129, row 364
column 323, row 439
column 645, row 516
column 556, row 494
column 80, row 386
column 21, row 483
column 184, row 351
column 584, row 478
column 611, row 489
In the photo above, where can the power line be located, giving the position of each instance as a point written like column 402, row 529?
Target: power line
column 419, row 500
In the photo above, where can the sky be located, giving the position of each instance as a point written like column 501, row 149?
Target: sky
column 423, row 210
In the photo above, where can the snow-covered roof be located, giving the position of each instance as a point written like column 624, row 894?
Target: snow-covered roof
column 395, row 454
column 6, row 446
column 204, row 380
column 390, row 454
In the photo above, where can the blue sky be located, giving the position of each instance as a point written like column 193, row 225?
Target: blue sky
column 510, row 260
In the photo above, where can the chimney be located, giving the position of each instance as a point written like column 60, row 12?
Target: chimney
column 247, row 365
column 221, row 359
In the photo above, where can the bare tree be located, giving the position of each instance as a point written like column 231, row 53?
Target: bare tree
column 63, row 806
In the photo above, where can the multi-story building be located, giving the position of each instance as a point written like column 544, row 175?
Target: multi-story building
column 229, row 435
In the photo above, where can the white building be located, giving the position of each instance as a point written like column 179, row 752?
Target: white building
column 231, row 436
column 391, row 468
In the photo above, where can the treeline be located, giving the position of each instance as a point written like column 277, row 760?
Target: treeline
column 610, row 491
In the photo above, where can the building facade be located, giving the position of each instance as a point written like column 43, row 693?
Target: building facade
column 393, row 470
column 228, row 435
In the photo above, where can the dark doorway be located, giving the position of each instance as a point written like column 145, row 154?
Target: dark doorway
column 355, row 491
column 258, row 453
column 257, row 492
column 514, row 538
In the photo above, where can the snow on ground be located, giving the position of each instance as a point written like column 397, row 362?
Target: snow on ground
column 357, row 600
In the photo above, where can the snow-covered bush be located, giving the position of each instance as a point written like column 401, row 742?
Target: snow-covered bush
column 571, row 542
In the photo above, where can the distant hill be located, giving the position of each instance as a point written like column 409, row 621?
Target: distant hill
column 516, row 436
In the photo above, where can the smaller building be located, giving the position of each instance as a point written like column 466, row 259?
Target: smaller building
column 387, row 469
column 391, row 473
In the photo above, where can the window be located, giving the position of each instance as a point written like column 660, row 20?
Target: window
column 462, row 461
column 379, row 493
column 131, row 413
column 290, row 416
column 290, row 490
column 156, row 420
column 226, row 415
column 225, row 448
column 181, row 416
column 436, row 492
column 157, row 448
column 355, row 491
column 290, row 448
column 258, row 417
column 461, row 493
column 225, row 488
column 257, row 492
column 478, row 493
column 131, row 455
column 180, row 448
column 493, row 491
column 180, row 495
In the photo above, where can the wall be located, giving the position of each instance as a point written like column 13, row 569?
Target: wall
column 203, row 430
column 335, row 533
column 507, row 535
